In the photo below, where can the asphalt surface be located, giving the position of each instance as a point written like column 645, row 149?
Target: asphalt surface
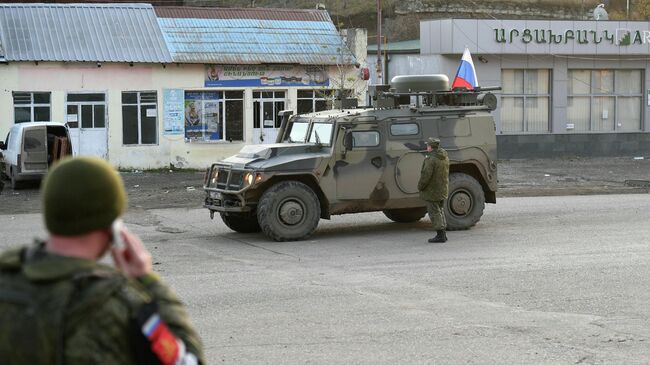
column 542, row 280
column 555, row 273
column 545, row 177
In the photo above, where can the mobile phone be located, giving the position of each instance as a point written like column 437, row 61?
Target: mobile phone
column 116, row 230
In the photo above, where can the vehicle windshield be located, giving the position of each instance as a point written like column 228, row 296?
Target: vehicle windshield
column 298, row 132
column 321, row 133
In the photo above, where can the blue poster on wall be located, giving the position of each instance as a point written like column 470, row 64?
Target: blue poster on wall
column 202, row 116
column 265, row 75
column 173, row 107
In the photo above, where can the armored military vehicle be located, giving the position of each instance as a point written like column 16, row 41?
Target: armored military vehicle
column 351, row 160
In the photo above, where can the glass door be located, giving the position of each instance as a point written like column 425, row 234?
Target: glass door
column 86, row 119
column 266, row 121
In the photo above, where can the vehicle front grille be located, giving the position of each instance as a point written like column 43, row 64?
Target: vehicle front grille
column 235, row 180
column 227, row 179
column 222, row 179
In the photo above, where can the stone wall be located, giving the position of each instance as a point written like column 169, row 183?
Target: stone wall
column 494, row 9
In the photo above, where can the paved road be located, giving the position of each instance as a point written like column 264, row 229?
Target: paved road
column 538, row 280
column 545, row 177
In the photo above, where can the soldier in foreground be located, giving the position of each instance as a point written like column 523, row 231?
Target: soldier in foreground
column 433, row 186
column 59, row 305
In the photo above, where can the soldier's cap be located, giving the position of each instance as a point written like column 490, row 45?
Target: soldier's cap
column 80, row 195
column 433, row 141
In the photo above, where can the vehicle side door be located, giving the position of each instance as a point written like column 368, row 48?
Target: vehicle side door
column 34, row 149
column 358, row 174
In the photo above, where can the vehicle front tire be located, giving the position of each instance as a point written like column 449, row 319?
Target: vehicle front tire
column 466, row 202
column 288, row 211
column 242, row 223
column 405, row 215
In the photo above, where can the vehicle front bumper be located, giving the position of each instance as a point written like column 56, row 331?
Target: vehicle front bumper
column 224, row 201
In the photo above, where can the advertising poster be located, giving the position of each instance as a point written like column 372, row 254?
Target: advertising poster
column 173, row 111
column 265, row 75
column 202, row 119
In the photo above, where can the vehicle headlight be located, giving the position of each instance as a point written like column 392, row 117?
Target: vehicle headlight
column 248, row 178
column 214, row 177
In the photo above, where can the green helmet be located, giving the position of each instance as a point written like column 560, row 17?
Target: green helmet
column 433, row 142
column 80, row 195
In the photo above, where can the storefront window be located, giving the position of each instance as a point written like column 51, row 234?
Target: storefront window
column 214, row 115
column 202, row 116
column 31, row 107
column 139, row 117
column 604, row 100
column 312, row 101
column 526, row 100
column 233, row 115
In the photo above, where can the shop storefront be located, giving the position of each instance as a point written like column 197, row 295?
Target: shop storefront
column 217, row 111
column 569, row 88
column 144, row 93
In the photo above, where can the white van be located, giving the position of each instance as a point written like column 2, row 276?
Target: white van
column 30, row 149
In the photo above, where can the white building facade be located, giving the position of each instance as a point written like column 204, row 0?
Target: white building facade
column 153, row 97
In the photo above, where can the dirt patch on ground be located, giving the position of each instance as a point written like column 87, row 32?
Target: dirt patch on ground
column 575, row 176
column 547, row 177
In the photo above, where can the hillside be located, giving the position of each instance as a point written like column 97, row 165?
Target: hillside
column 401, row 17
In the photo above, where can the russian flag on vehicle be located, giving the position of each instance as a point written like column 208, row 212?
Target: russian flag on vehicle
column 466, row 74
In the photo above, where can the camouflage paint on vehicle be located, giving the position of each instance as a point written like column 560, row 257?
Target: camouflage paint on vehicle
column 380, row 175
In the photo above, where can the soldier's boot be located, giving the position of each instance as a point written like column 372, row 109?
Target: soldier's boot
column 441, row 236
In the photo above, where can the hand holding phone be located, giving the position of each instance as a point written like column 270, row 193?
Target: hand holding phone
column 130, row 255
column 116, row 231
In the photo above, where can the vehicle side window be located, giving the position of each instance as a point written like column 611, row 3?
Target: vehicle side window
column 404, row 129
column 323, row 131
column 365, row 139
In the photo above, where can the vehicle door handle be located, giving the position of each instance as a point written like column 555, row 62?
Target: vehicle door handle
column 376, row 162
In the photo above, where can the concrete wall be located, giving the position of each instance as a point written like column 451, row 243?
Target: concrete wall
column 356, row 39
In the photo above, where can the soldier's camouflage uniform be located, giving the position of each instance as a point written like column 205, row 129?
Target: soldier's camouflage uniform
column 63, row 310
column 434, row 185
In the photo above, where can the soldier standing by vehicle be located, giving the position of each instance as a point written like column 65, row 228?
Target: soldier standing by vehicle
column 433, row 186
column 59, row 305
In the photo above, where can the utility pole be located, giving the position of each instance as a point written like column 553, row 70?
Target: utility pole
column 379, row 60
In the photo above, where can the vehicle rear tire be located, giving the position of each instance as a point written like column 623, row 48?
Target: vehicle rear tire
column 405, row 215
column 288, row 211
column 14, row 181
column 242, row 223
column 466, row 202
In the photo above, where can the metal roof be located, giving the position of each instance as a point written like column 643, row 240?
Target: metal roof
column 242, row 13
column 252, row 36
column 82, row 32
